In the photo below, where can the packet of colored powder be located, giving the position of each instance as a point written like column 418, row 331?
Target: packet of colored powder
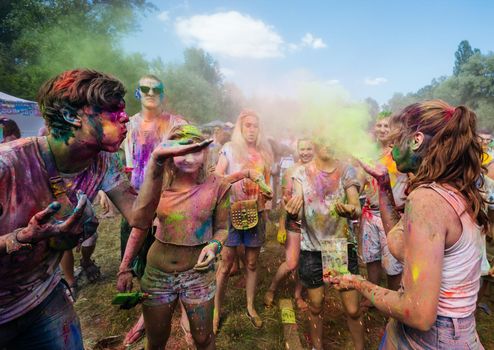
column 334, row 253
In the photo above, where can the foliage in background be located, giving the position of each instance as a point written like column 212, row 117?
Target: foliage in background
column 472, row 84
column 196, row 88
column 39, row 39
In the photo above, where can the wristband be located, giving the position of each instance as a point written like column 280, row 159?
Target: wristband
column 220, row 246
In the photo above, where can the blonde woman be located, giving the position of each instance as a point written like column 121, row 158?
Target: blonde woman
column 247, row 150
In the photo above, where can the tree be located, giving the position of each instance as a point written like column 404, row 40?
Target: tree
column 373, row 107
column 462, row 55
column 190, row 95
column 196, row 90
column 203, row 64
column 39, row 39
column 472, row 85
column 400, row 101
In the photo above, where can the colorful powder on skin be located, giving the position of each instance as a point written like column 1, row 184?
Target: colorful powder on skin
column 190, row 131
column 415, row 273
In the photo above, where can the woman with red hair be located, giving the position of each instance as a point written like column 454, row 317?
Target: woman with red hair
column 439, row 238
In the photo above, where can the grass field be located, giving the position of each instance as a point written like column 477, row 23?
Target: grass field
column 100, row 320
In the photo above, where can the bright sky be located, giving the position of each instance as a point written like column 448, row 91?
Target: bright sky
column 372, row 48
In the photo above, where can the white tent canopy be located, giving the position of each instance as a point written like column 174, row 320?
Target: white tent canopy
column 25, row 113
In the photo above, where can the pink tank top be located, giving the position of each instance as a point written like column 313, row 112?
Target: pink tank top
column 460, row 280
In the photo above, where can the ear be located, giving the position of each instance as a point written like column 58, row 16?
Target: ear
column 417, row 141
column 71, row 117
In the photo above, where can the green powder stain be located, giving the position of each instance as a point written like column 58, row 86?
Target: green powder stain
column 173, row 218
column 190, row 131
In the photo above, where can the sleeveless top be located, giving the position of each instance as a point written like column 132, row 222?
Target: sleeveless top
column 460, row 283
column 460, row 280
column 460, row 276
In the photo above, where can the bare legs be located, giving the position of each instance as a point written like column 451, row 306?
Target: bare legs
column 67, row 264
column 251, row 257
column 223, row 274
column 316, row 298
column 157, row 321
column 350, row 300
column 292, row 254
column 374, row 270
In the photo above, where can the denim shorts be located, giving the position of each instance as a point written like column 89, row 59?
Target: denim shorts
column 252, row 238
column 53, row 324
column 191, row 286
column 445, row 334
column 310, row 267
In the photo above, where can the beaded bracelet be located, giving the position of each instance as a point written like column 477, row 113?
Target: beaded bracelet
column 220, row 246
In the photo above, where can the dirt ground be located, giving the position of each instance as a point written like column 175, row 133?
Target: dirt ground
column 104, row 325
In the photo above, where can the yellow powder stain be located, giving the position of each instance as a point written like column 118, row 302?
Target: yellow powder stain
column 415, row 273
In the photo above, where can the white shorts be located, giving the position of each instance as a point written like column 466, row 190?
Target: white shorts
column 375, row 245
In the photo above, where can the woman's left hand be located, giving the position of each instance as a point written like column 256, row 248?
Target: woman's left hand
column 207, row 256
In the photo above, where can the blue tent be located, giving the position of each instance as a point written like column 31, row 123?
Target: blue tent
column 25, row 113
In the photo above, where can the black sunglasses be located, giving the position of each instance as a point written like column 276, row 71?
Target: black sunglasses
column 158, row 90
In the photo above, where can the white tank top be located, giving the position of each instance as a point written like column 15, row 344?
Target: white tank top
column 460, row 281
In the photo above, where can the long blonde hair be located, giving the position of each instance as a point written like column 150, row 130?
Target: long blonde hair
column 262, row 145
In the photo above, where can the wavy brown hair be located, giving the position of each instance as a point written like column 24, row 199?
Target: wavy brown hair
column 74, row 89
column 451, row 152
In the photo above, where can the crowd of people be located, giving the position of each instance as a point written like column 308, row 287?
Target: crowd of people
column 420, row 212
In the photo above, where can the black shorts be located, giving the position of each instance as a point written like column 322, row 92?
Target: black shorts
column 310, row 267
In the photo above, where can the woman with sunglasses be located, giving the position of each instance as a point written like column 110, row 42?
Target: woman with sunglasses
column 439, row 239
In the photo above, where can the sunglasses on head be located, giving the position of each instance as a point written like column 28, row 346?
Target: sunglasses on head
column 157, row 90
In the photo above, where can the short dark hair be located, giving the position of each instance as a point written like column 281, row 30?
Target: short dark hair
column 73, row 90
column 10, row 128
